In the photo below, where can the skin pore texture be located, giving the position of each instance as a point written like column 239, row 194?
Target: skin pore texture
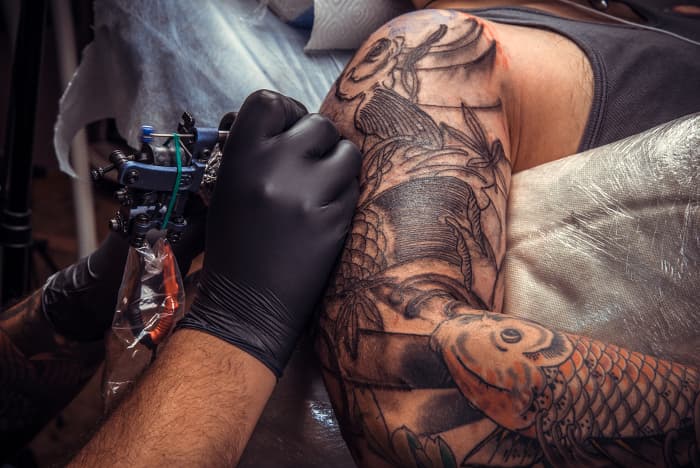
column 423, row 365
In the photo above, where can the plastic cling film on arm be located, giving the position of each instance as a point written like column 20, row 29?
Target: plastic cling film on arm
column 606, row 243
column 151, row 299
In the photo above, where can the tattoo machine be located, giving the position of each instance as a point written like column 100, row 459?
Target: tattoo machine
column 156, row 183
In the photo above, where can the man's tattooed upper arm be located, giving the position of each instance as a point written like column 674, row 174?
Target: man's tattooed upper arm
column 423, row 368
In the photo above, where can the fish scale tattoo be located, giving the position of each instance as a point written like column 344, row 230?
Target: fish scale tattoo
column 423, row 366
column 571, row 394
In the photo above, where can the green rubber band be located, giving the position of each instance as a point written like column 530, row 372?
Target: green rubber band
column 176, row 187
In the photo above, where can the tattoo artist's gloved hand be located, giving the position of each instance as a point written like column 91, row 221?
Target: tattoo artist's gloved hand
column 283, row 202
column 79, row 301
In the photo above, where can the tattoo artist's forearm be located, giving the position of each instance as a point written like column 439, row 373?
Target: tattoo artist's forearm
column 39, row 372
column 197, row 406
column 422, row 368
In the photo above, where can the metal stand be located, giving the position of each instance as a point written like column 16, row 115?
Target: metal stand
column 15, row 215
column 82, row 187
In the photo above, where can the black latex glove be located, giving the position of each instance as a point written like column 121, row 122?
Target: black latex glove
column 79, row 301
column 281, row 209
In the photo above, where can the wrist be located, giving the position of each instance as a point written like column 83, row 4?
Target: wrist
column 252, row 319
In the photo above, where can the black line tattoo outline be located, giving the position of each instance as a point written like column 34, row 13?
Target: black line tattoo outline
column 555, row 399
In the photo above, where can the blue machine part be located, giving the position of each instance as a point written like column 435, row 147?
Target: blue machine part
column 206, row 138
column 136, row 175
column 146, row 134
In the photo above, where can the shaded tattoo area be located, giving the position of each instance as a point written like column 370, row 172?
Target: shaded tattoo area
column 390, row 112
column 450, row 176
column 422, row 369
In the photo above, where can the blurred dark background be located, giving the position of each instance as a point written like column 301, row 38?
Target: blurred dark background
column 53, row 211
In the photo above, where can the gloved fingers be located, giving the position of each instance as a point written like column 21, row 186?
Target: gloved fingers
column 312, row 136
column 195, row 206
column 112, row 251
column 338, row 169
column 265, row 114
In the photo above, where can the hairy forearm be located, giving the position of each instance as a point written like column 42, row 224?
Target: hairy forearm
column 40, row 372
column 197, row 405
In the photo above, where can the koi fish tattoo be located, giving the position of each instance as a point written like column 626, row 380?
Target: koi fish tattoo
column 567, row 398
column 423, row 368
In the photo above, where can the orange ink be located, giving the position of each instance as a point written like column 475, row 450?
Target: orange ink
column 580, row 389
column 170, row 304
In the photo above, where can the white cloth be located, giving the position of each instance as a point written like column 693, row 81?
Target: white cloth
column 150, row 61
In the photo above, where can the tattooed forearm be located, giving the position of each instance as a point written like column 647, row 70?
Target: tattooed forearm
column 422, row 367
column 39, row 372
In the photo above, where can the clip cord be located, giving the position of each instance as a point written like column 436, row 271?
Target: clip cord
column 176, row 187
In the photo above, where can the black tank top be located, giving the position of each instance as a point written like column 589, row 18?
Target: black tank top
column 641, row 78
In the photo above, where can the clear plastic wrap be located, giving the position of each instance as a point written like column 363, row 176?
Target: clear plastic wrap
column 151, row 300
column 606, row 243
